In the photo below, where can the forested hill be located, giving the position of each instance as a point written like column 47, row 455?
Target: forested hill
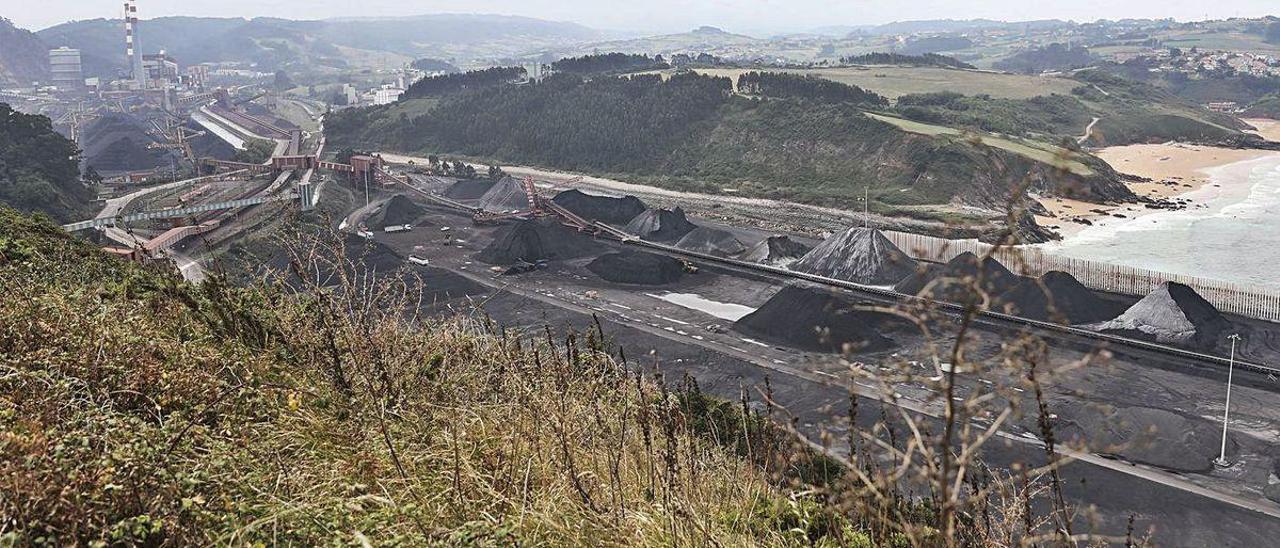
column 799, row 140
column 38, row 168
column 23, row 58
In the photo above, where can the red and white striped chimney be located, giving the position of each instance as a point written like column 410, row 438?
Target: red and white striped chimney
column 131, row 39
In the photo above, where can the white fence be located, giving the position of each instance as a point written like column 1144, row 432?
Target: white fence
column 1242, row 299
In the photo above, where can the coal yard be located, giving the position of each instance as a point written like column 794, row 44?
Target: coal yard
column 717, row 302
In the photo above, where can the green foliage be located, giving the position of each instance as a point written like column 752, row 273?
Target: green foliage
column 452, row 83
column 784, row 84
column 1046, row 114
column 607, row 63
column 39, row 169
column 924, row 60
column 256, row 151
column 1266, row 107
column 1053, row 57
column 433, row 65
column 1272, row 35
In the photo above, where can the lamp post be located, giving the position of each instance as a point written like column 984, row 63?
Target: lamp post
column 1231, row 367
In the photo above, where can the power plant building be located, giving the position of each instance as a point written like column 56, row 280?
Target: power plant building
column 64, row 65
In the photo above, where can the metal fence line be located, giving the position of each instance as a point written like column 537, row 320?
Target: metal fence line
column 1234, row 298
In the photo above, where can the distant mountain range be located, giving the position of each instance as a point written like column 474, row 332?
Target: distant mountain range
column 339, row 44
column 23, row 59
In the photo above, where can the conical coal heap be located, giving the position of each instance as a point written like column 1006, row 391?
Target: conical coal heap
column 860, row 255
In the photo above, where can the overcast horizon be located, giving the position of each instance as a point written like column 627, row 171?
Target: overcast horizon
column 745, row 16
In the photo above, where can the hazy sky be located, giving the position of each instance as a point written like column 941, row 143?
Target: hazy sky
column 656, row 15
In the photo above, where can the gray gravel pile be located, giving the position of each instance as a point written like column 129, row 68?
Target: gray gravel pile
column 776, row 251
column 633, row 267
column 1056, row 297
column 1172, row 314
column 817, row 318
column 957, row 280
column 860, row 255
column 606, row 209
column 399, row 210
column 469, row 189
column 537, row 240
column 505, row 196
column 712, row 241
column 661, row 225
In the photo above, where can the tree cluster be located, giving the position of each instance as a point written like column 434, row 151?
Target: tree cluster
column 39, row 169
column 433, row 65
column 453, row 83
column 781, row 84
column 924, row 60
column 606, row 63
column 1048, row 58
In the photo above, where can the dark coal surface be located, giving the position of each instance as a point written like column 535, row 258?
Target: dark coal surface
column 118, row 142
column 399, row 210
column 537, row 240
column 861, row 255
column 632, row 267
column 1157, row 437
column 506, row 195
column 816, row 318
column 956, row 279
column 1172, row 314
column 661, row 225
column 712, row 241
column 776, row 250
column 209, row 145
column 606, row 209
column 1056, row 297
column 469, row 189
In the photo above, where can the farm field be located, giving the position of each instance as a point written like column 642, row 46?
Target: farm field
column 1039, row 152
column 894, row 81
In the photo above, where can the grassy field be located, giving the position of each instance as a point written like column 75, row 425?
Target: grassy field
column 894, row 82
column 1222, row 40
column 1039, row 152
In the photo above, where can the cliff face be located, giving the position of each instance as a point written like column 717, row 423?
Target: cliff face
column 23, row 57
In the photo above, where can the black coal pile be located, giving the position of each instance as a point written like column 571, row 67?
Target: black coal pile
column 537, row 240
column 712, row 241
column 955, row 281
column 118, row 142
column 506, row 195
column 776, row 251
column 1147, row 435
column 399, row 210
column 816, row 318
column 861, row 255
column 1172, row 314
column 606, row 209
column 1056, row 297
column 209, row 145
column 661, row 225
column 469, row 189
column 637, row 268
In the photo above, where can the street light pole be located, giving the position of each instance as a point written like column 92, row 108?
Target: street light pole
column 1231, row 368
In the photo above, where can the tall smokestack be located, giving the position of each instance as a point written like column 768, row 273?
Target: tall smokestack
column 132, row 48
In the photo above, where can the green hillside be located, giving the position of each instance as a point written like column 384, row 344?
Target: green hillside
column 692, row 132
column 23, row 58
column 38, row 168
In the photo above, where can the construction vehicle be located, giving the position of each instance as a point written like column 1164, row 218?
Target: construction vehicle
column 689, row 268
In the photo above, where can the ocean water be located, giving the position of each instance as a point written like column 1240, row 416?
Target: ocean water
column 1234, row 237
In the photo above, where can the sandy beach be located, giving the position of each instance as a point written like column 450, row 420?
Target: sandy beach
column 1175, row 170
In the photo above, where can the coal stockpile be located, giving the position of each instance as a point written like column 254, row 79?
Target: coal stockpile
column 537, row 240
column 397, row 211
column 661, row 225
column 817, row 318
column 209, row 145
column 955, row 280
column 860, row 255
column 469, row 189
column 118, row 142
column 711, row 241
column 776, row 251
column 506, row 195
column 1056, row 297
column 637, row 268
column 1146, row 435
column 1172, row 314
column 606, row 209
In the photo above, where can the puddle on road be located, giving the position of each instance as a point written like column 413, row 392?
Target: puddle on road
column 724, row 311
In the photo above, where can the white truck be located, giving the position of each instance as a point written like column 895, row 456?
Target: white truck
column 397, row 228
